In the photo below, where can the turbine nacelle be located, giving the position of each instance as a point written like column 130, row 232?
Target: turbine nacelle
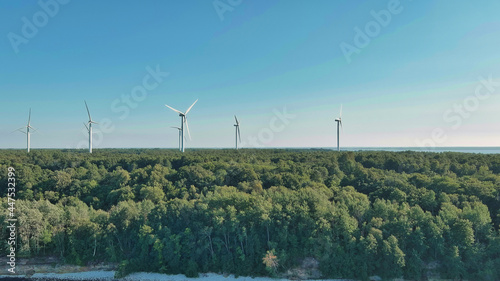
column 339, row 124
column 183, row 121
column 27, row 131
column 88, row 126
column 238, row 135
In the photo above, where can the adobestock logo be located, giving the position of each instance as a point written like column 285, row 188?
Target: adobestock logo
column 277, row 124
column 139, row 93
column 30, row 28
column 125, row 104
column 223, row 6
column 461, row 111
column 363, row 37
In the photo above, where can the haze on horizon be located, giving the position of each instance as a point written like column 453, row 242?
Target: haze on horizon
column 408, row 73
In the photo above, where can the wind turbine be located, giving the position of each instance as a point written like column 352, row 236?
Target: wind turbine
column 183, row 120
column 238, row 135
column 179, row 135
column 89, row 127
column 339, row 122
column 28, row 134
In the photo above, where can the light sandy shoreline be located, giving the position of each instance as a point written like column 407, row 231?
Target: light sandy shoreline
column 143, row 276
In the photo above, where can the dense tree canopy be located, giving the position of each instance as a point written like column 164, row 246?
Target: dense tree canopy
column 392, row 214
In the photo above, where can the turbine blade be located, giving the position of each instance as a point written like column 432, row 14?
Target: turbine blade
column 88, row 112
column 29, row 118
column 93, row 122
column 174, row 109
column 237, row 122
column 191, row 107
column 239, row 135
column 176, row 128
column 187, row 127
column 20, row 130
column 86, row 126
column 341, row 127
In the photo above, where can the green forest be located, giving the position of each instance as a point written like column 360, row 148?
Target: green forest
column 260, row 212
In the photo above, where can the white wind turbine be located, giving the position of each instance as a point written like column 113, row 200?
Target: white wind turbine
column 28, row 134
column 339, row 123
column 238, row 135
column 180, row 136
column 183, row 120
column 89, row 127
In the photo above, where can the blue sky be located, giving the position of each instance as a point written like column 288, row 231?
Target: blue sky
column 405, row 87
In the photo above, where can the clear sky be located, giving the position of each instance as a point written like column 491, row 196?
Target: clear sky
column 405, row 71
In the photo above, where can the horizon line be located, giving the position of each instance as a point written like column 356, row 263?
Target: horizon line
column 277, row 147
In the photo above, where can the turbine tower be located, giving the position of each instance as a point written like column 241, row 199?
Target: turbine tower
column 28, row 134
column 179, row 136
column 89, row 127
column 339, row 123
column 183, row 121
column 238, row 135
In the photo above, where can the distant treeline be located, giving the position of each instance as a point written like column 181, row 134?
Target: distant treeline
column 392, row 214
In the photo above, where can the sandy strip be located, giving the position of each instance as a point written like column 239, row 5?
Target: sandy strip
column 143, row 276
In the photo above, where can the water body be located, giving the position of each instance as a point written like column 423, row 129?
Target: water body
column 465, row 149
column 482, row 150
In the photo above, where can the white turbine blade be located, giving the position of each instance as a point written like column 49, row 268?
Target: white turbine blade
column 174, row 109
column 29, row 118
column 187, row 127
column 237, row 123
column 239, row 135
column 88, row 112
column 86, row 126
column 341, row 127
column 20, row 130
column 191, row 107
column 176, row 128
column 93, row 122
column 32, row 128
